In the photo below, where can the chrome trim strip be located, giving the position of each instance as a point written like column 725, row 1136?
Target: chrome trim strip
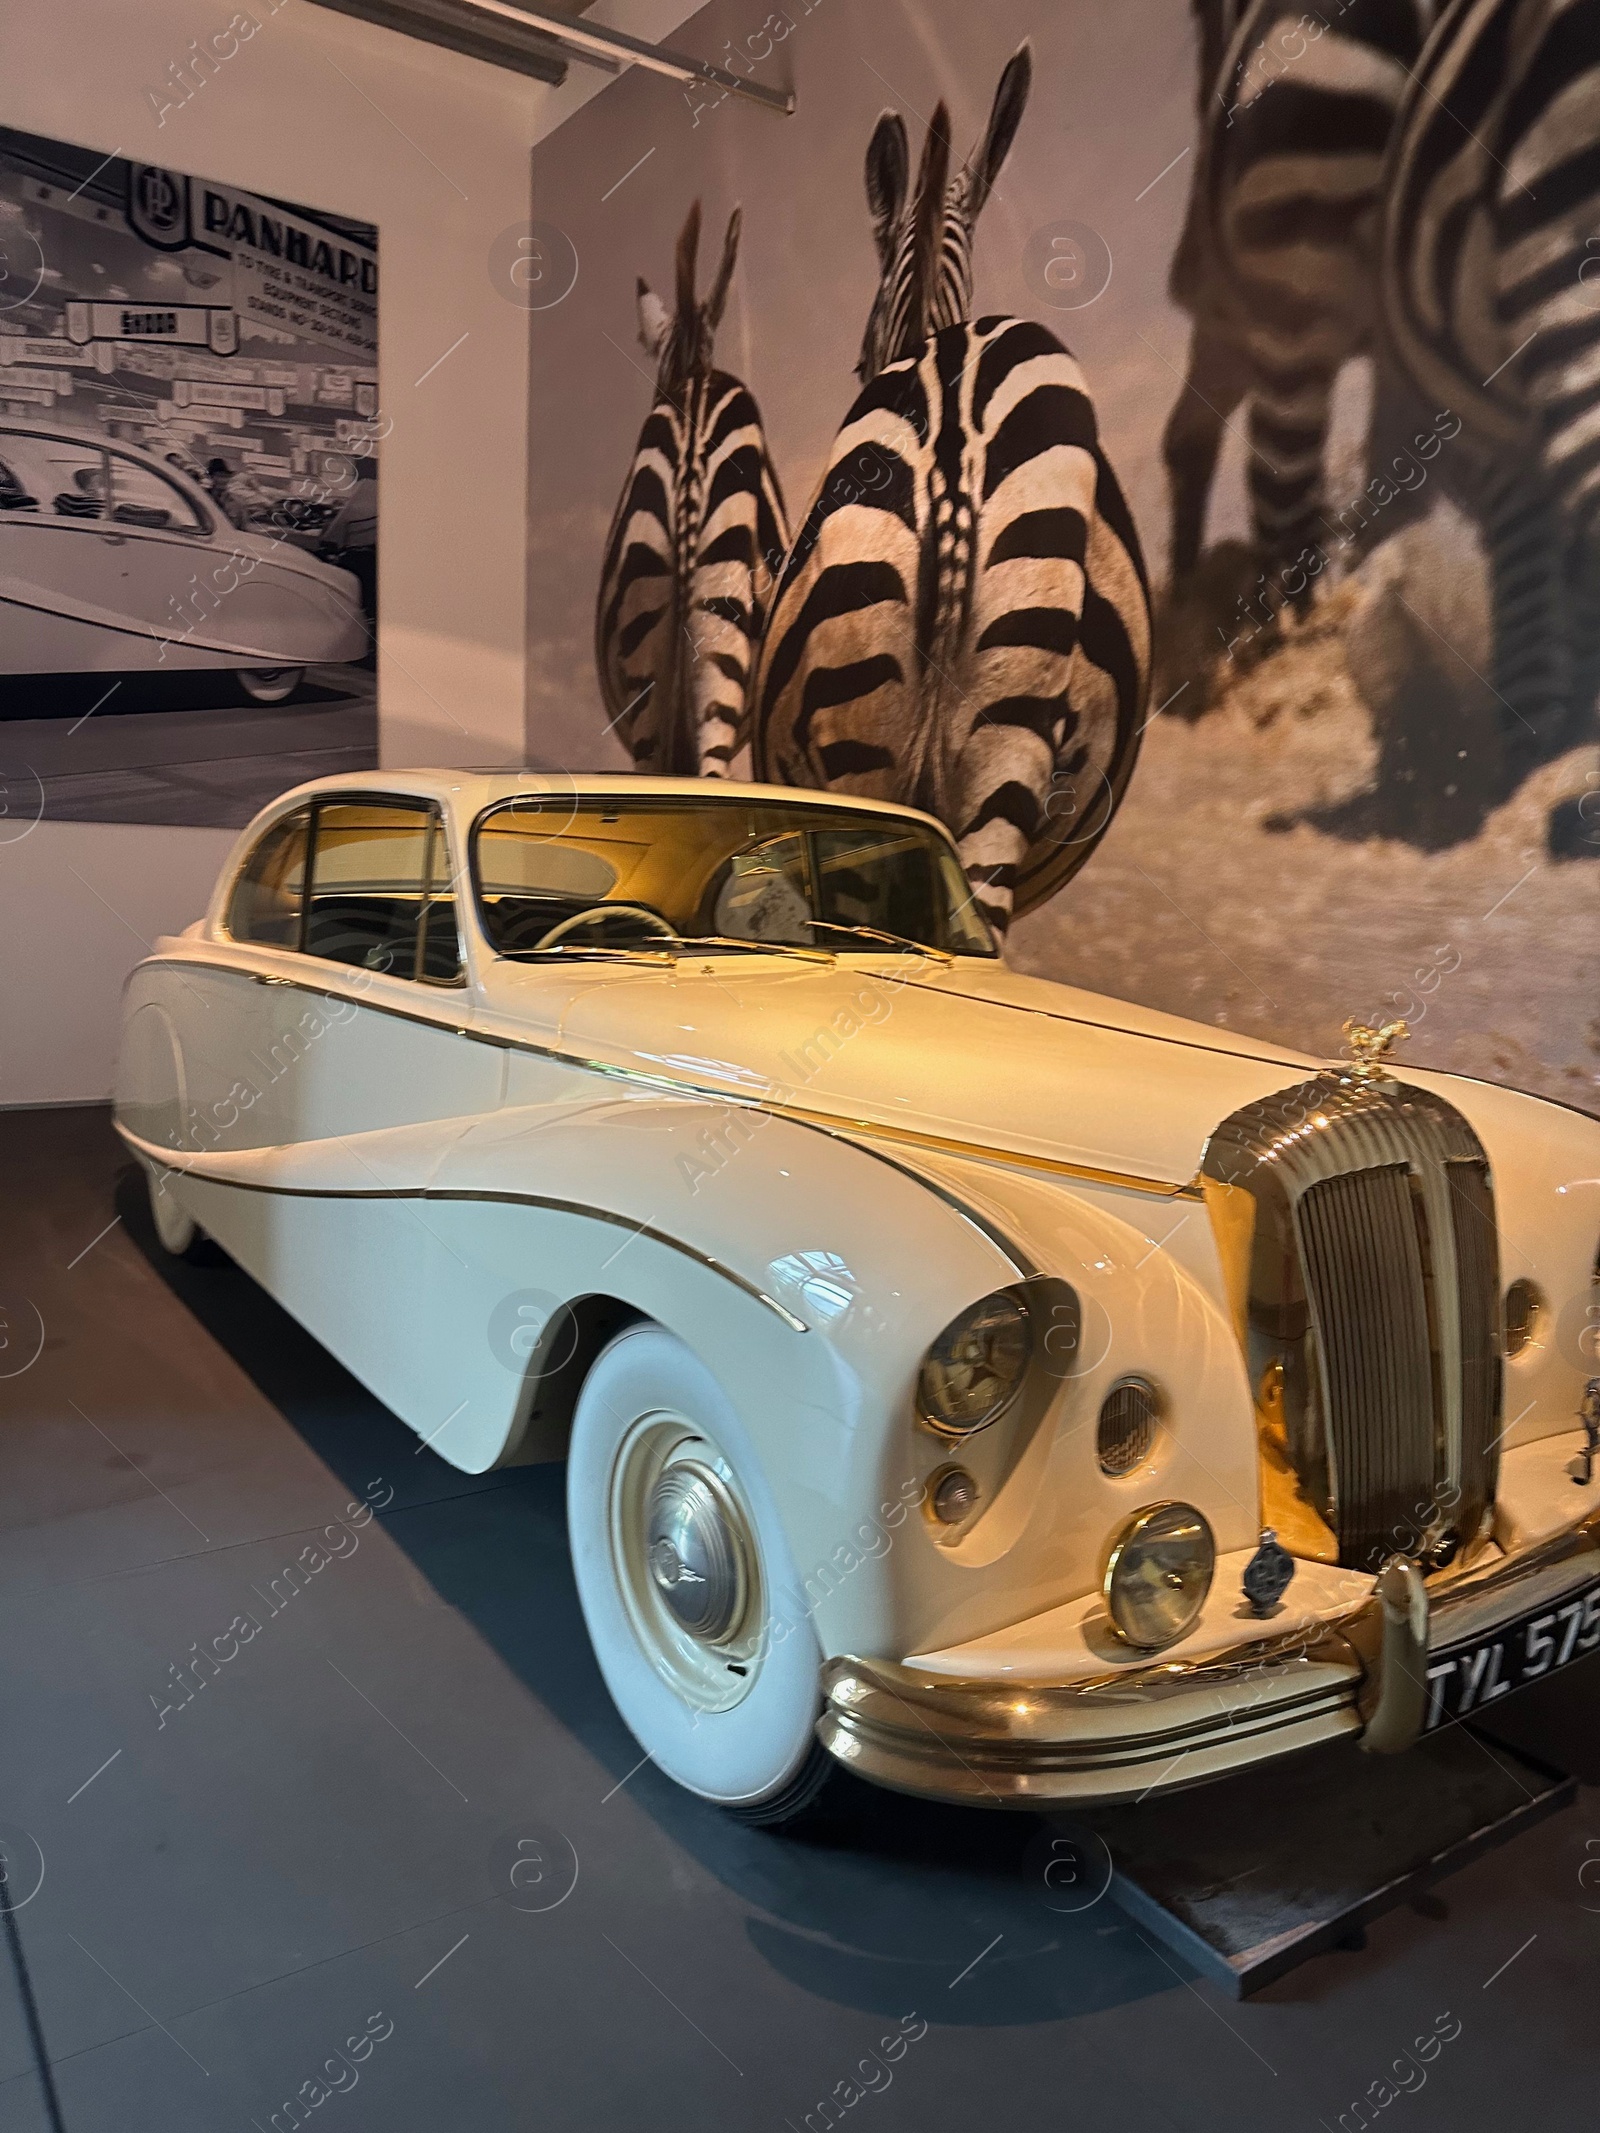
column 150, row 1152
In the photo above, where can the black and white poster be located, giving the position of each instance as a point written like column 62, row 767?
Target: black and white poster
column 189, row 438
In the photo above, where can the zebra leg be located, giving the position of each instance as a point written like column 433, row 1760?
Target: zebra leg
column 1217, row 380
column 1529, row 561
column 1394, row 494
column 1288, row 435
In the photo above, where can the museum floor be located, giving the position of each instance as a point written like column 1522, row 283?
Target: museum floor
column 306, row 1852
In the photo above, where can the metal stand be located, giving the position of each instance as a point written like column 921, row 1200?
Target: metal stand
column 1251, row 1876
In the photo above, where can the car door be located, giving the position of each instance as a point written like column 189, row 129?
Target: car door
column 340, row 1013
column 63, row 562
column 166, row 552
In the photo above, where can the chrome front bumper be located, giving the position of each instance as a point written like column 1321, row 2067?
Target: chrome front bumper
column 1160, row 1727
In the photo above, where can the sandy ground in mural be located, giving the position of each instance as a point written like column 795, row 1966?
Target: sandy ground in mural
column 1201, row 901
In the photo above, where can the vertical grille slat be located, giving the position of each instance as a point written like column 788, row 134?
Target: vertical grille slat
column 1364, row 1283
column 1478, row 1282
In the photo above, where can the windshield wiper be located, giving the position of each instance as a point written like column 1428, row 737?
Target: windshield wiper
column 668, row 952
column 894, row 940
column 728, row 940
column 587, row 955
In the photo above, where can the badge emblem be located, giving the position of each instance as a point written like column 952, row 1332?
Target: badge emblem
column 1268, row 1574
column 158, row 206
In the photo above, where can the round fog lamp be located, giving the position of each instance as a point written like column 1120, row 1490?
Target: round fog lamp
column 1157, row 1574
column 972, row 1371
column 955, row 1497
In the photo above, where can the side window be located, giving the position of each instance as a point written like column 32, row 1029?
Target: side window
column 380, row 895
column 75, row 479
column 14, row 494
column 265, row 907
column 140, row 497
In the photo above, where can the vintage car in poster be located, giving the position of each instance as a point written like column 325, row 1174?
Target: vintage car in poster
column 113, row 559
column 1015, row 1395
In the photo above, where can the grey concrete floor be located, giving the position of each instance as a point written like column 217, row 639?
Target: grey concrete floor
column 234, row 1887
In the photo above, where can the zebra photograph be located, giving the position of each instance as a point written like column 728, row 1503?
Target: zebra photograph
column 1277, row 263
column 1412, row 184
column 1191, row 417
column 698, row 533
column 1491, row 305
column 963, row 621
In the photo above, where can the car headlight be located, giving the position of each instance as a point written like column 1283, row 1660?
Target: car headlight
column 1158, row 1572
column 972, row 1371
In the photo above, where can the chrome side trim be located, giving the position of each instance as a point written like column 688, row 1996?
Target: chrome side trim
column 150, row 1152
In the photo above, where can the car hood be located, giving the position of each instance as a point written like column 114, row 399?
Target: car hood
column 974, row 1054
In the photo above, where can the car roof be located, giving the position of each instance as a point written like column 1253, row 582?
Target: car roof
column 470, row 791
column 62, row 432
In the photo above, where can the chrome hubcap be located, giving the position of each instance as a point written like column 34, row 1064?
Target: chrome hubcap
column 687, row 1565
column 692, row 1547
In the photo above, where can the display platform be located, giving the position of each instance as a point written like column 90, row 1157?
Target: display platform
column 1251, row 1877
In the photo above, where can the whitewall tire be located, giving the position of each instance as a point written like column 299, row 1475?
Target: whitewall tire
column 686, row 1582
column 176, row 1232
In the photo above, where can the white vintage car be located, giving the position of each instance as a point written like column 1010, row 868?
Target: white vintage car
column 929, row 1346
column 113, row 559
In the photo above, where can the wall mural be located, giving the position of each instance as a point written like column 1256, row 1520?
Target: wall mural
column 188, row 490
column 1193, row 416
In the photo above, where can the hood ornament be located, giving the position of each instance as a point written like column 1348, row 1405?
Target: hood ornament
column 1366, row 1048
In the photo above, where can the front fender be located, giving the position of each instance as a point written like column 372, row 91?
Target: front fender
column 809, row 1274
column 735, row 1229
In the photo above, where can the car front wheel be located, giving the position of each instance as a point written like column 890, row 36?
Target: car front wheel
column 270, row 685
column 686, row 1583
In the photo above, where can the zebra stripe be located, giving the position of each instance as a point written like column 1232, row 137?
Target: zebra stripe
column 1277, row 263
column 694, row 547
column 1491, row 291
column 963, row 621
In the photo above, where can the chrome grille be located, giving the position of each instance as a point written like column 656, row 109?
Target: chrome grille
column 1362, row 1259
column 1367, row 1273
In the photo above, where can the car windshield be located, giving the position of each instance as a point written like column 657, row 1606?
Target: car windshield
column 613, row 872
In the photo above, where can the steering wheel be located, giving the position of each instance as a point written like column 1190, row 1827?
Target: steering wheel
column 598, row 914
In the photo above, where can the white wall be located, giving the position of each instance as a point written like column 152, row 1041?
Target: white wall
column 433, row 149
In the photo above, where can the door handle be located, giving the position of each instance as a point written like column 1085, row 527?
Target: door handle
column 115, row 540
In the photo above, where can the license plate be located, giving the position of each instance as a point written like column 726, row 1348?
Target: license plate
column 1469, row 1679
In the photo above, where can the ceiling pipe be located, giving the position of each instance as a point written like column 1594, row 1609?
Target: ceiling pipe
column 475, row 25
